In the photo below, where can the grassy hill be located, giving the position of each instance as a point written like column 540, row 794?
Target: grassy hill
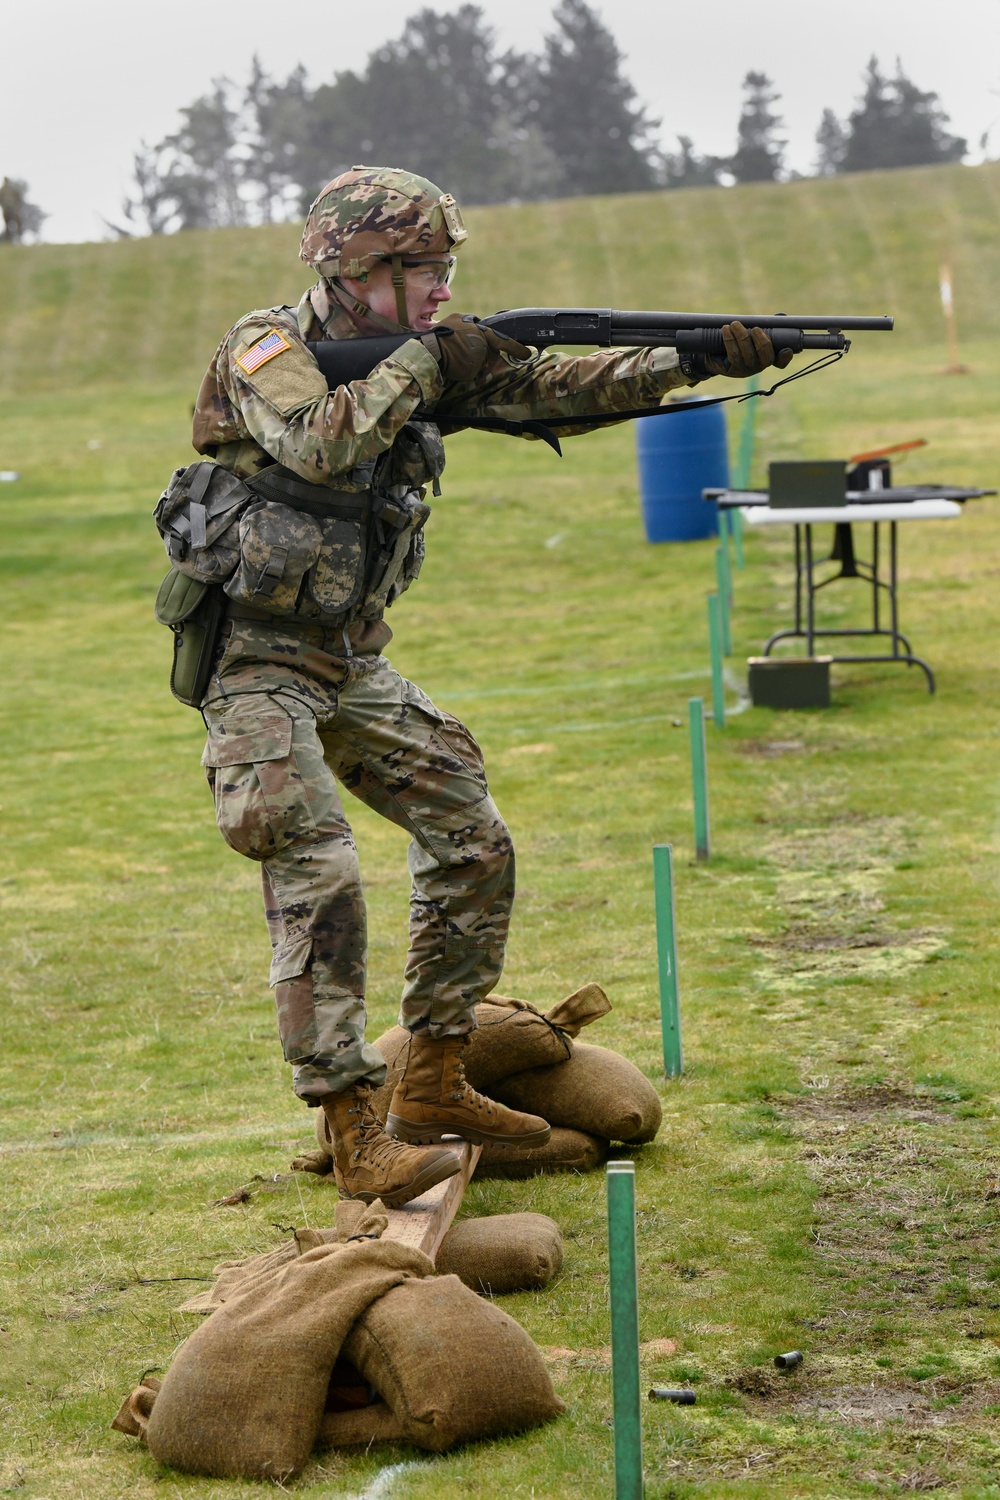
column 149, row 312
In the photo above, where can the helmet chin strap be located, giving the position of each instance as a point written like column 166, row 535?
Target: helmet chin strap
column 363, row 311
column 400, row 289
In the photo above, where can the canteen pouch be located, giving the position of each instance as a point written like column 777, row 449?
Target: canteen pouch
column 198, row 518
column 194, row 611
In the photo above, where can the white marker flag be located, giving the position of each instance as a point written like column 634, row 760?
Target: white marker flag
column 945, row 284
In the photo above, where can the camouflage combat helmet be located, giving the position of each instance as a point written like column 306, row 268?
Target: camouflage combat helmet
column 379, row 213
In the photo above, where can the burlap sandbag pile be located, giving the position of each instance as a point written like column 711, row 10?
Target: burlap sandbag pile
column 297, row 1333
column 532, row 1061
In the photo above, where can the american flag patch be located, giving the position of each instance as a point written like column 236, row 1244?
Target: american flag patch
column 266, row 348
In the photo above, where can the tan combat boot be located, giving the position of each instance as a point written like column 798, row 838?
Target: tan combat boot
column 369, row 1164
column 433, row 1099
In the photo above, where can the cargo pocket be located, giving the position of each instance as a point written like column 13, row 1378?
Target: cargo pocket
column 291, row 980
column 338, row 576
column 291, row 960
column 261, row 805
column 457, row 738
column 278, row 546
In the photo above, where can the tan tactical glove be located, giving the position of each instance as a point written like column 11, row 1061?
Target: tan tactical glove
column 462, row 345
column 748, row 351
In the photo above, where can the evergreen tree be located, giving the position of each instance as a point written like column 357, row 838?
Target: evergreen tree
column 438, row 100
column 831, row 144
column 759, row 153
column 196, row 178
column 278, row 131
column 685, row 168
column 587, row 110
column 894, row 124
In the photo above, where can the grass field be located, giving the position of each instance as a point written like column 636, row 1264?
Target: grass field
column 827, row 1174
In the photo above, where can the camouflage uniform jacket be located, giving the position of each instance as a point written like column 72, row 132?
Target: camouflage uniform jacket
column 284, row 411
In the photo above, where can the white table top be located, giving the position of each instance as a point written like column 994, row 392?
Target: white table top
column 802, row 515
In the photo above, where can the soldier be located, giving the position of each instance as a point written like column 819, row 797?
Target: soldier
column 302, row 701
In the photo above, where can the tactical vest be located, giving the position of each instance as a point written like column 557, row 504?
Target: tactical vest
column 281, row 547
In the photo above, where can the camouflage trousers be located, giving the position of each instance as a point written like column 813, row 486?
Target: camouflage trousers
column 287, row 721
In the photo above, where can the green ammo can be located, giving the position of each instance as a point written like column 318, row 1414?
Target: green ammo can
column 789, row 681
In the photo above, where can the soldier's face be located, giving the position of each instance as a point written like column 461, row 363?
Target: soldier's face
column 423, row 298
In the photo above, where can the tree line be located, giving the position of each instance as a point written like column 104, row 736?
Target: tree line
column 490, row 126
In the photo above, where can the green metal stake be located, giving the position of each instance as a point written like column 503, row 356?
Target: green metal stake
column 724, row 585
column 699, row 775
column 715, row 641
column 666, row 953
column 624, row 1278
column 744, row 463
column 744, row 451
column 736, row 525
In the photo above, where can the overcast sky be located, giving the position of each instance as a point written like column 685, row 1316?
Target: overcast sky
column 86, row 80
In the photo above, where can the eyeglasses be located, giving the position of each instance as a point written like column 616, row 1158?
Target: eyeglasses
column 428, row 275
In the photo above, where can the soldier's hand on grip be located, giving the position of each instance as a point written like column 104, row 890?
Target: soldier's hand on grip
column 748, row 351
column 462, row 345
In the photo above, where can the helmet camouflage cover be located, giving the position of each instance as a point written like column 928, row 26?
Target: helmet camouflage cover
column 373, row 212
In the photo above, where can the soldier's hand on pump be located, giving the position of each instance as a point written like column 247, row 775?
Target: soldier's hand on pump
column 747, row 352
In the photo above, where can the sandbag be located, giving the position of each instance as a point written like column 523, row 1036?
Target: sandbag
column 564, row 1151
column 511, row 1036
column 595, row 1090
column 245, row 1395
column 502, row 1253
column 450, row 1366
column 238, row 1276
column 133, row 1415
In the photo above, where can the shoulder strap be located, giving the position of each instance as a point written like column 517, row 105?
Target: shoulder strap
column 534, row 427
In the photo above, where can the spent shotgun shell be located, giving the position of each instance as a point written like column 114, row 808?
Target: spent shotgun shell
column 679, row 1398
column 788, row 1361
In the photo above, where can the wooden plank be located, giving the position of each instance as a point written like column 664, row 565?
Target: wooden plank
column 424, row 1222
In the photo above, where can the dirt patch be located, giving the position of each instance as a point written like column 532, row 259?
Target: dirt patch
column 829, row 888
column 804, row 938
column 772, row 749
column 905, row 1231
column 834, row 1104
column 755, row 1381
column 866, row 1406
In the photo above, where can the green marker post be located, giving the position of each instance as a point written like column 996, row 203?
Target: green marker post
column 744, row 449
column 666, row 954
column 699, row 776
column 624, row 1285
column 715, row 645
column 736, row 526
column 725, row 588
column 741, row 470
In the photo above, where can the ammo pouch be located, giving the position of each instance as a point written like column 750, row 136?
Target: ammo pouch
column 298, row 550
column 198, row 518
column 315, row 553
column 194, row 611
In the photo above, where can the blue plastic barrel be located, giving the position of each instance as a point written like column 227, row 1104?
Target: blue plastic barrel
column 679, row 456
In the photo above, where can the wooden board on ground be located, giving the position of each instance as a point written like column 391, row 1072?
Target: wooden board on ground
column 424, row 1222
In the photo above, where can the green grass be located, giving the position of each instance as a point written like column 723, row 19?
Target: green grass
column 825, row 1176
